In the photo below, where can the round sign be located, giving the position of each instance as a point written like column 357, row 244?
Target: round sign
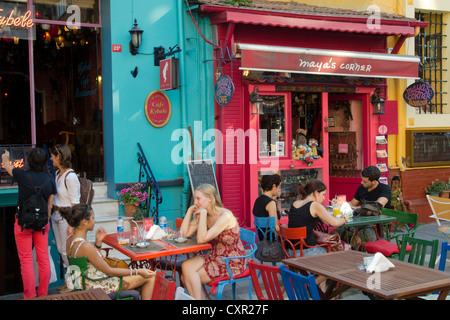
column 419, row 94
column 382, row 129
column 223, row 90
column 158, row 109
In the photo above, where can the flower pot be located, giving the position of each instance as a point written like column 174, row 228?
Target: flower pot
column 445, row 194
column 129, row 209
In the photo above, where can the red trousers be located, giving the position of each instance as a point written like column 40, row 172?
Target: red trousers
column 24, row 241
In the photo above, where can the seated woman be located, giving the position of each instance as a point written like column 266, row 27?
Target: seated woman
column 211, row 221
column 81, row 218
column 265, row 205
column 308, row 210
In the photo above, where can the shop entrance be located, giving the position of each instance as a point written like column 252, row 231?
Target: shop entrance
column 346, row 143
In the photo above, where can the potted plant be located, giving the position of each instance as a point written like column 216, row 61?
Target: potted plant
column 436, row 188
column 131, row 197
column 446, row 192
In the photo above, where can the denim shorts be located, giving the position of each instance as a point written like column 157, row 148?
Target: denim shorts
column 314, row 251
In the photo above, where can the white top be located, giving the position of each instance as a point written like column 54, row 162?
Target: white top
column 65, row 197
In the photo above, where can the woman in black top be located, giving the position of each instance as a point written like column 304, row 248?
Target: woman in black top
column 265, row 205
column 308, row 210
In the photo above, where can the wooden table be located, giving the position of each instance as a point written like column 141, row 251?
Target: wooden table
column 405, row 281
column 94, row 294
column 159, row 248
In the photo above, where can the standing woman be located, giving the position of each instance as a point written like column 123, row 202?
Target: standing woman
column 68, row 195
column 26, row 239
column 211, row 221
column 265, row 205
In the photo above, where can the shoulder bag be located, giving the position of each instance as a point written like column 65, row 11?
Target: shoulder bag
column 269, row 251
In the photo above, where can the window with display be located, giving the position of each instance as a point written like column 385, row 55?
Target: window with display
column 272, row 126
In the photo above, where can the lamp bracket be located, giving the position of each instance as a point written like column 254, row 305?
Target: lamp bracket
column 160, row 53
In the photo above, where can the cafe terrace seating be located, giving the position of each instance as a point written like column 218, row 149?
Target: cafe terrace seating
column 270, row 276
column 293, row 242
column 418, row 252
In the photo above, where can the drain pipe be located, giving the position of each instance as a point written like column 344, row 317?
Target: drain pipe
column 184, row 124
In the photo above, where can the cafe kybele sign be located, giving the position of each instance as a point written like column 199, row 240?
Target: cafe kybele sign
column 16, row 21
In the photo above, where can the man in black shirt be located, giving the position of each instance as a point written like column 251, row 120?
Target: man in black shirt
column 371, row 189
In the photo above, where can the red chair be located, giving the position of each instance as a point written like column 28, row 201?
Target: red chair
column 270, row 276
column 294, row 238
column 163, row 289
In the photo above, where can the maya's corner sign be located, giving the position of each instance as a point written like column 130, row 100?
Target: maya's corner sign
column 223, row 90
column 418, row 95
column 158, row 109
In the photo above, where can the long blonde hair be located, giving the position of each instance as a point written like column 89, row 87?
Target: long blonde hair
column 210, row 191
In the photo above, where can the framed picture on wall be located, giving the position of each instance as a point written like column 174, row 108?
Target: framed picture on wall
column 331, row 122
column 279, row 148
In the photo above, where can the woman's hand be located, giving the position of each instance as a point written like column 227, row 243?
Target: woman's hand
column 192, row 209
column 146, row 273
column 99, row 236
column 200, row 212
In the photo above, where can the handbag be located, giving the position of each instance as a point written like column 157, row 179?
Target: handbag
column 114, row 262
column 333, row 240
column 370, row 208
column 269, row 251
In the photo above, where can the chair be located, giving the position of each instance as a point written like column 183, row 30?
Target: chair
column 81, row 263
column 260, row 224
column 443, row 258
column 299, row 287
column 294, row 238
column 163, row 289
column 440, row 208
column 248, row 239
column 181, row 295
column 406, row 225
column 418, row 251
column 270, row 278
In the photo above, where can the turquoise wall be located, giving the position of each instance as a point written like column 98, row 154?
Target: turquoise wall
column 165, row 23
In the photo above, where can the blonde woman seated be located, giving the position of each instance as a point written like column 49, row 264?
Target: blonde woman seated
column 81, row 218
column 211, row 221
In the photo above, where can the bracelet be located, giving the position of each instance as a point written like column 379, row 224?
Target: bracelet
column 131, row 271
column 97, row 246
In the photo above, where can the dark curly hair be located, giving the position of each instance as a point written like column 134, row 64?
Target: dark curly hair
column 371, row 172
column 74, row 215
column 309, row 187
column 267, row 181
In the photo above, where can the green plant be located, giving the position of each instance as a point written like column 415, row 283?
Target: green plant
column 246, row 3
column 138, row 214
column 134, row 194
column 437, row 186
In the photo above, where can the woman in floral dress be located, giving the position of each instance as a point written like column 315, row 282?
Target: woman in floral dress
column 211, row 221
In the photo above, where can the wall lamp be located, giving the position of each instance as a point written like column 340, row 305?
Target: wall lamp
column 377, row 102
column 256, row 101
column 136, row 38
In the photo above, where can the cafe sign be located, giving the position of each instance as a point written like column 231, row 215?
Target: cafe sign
column 418, row 95
column 15, row 21
column 223, row 90
column 158, row 109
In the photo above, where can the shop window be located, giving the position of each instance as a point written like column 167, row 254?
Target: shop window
column 427, row 148
column 429, row 45
column 272, row 127
column 88, row 10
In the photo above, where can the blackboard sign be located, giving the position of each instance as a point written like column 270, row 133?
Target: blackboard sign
column 200, row 172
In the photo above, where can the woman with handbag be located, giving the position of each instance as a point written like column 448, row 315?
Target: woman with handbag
column 308, row 210
column 265, row 205
column 81, row 218
column 211, row 221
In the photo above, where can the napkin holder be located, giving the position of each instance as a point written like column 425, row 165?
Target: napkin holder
column 155, row 233
column 379, row 263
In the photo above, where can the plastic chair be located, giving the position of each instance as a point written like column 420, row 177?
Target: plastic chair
column 443, row 258
column 406, row 225
column 418, row 251
column 299, row 287
column 181, row 295
column 163, row 289
column 248, row 239
column 81, row 263
column 294, row 238
column 270, row 278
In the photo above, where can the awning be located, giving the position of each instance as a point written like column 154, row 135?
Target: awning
column 327, row 62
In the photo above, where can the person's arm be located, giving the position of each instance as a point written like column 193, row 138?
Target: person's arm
column 320, row 211
column 204, row 234
column 354, row 203
column 189, row 227
column 73, row 188
column 7, row 163
column 50, row 206
column 272, row 210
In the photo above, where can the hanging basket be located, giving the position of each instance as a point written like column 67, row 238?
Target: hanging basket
column 129, row 209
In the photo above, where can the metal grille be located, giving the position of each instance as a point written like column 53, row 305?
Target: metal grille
column 429, row 47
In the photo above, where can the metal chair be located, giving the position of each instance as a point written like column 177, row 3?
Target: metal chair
column 299, row 287
column 418, row 253
column 406, row 225
column 270, row 278
column 163, row 289
column 294, row 239
column 81, row 264
column 248, row 238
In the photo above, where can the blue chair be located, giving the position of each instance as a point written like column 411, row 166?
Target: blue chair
column 261, row 225
column 445, row 247
column 248, row 240
column 299, row 287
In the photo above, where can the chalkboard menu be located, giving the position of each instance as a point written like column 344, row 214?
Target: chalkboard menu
column 200, row 172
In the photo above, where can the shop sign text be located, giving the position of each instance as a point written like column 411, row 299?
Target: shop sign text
column 418, row 94
column 158, row 109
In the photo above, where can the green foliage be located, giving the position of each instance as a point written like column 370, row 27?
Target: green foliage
column 138, row 214
column 437, row 186
column 239, row 3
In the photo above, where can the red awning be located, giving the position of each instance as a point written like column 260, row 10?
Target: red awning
column 312, row 24
column 327, row 62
